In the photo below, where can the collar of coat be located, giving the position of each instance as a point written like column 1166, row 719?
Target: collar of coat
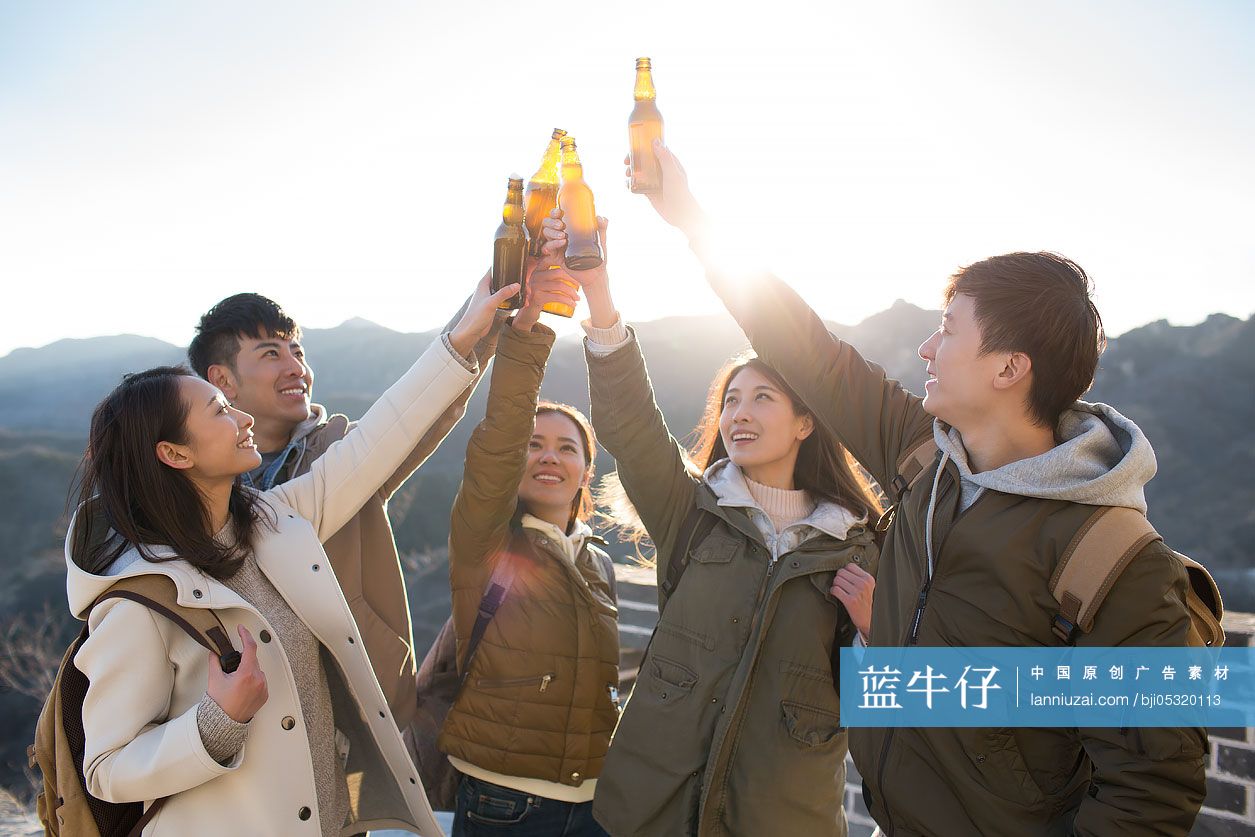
column 727, row 482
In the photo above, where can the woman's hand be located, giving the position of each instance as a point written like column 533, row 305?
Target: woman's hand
column 673, row 202
column 596, row 281
column 243, row 692
column 544, row 286
column 854, row 587
column 479, row 315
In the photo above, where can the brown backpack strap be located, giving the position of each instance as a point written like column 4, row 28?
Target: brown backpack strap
column 159, row 594
column 1093, row 560
column 1206, row 606
column 912, row 466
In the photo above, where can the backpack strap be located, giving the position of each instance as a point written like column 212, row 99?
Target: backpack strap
column 1100, row 550
column 911, row 467
column 697, row 524
column 494, row 596
column 158, row 593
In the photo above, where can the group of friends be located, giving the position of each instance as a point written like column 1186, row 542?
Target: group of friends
column 257, row 504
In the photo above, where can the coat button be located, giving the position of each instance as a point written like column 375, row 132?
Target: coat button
column 735, row 620
column 288, row 722
column 304, row 813
column 315, row 568
column 197, row 594
column 575, row 777
column 265, row 636
column 795, row 565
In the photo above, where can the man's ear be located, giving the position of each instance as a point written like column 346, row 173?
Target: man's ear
column 175, row 456
column 220, row 375
column 1017, row 368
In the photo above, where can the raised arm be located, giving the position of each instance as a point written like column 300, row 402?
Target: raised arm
column 870, row 414
column 651, row 464
column 357, row 466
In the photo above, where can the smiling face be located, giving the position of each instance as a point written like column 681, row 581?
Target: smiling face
column 759, row 425
column 272, row 381
column 218, row 439
column 556, row 467
column 960, row 384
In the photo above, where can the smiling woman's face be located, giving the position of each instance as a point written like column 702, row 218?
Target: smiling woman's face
column 758, row 423
column 556, row 468
column 219, row 442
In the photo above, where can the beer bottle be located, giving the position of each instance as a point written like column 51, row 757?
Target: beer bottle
column 541, row 194
column 509, row 247
column 645, row 126
column 575, row 199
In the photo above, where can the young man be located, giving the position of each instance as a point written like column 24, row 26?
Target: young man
column 251, row 350
column 969, row 556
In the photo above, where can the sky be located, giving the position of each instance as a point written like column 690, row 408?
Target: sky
column 350, row 159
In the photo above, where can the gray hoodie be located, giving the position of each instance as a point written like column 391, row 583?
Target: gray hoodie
column 1102, row 459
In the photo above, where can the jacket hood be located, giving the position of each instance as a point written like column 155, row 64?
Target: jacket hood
column 317, row 417
column 1102, row 459
column 728, row 483
column 88, row 529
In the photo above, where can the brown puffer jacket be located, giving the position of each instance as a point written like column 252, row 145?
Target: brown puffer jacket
column 538, row 701
column 990, row 587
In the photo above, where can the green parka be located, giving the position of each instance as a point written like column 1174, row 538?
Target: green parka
column 990, row 587
column 733, row 727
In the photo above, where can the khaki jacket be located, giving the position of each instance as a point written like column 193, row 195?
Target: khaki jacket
column 148, row 677
column 363, row 552
column 990, row 587
column 733, row 727
column 538, row 700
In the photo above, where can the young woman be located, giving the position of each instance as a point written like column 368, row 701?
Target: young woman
column 298, row 740
column 531, row 725
column 734, row 726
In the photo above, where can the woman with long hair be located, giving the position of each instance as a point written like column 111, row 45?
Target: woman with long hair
column 733, row 726
column 298, row 739
column 531, row 725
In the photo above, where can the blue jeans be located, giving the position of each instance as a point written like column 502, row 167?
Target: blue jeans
column 488, row 810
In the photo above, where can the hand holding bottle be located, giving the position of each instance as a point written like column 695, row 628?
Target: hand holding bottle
column 544, row 287
column 595, row 281
column 673, row 202
column 479, row 316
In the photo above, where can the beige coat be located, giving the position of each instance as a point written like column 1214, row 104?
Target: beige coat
column 147, row 677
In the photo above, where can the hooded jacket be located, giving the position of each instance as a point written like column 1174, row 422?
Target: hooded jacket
column 733, row 727
column 147, row 678
column 979, row 550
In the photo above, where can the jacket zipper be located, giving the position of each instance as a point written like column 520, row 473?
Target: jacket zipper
column 543, row 680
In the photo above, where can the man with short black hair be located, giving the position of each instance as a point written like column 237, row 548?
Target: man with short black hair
column 251, row 350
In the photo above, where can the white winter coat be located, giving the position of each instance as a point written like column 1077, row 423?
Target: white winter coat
column 147, row 676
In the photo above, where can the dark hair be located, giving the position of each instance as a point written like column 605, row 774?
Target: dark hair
column 123, row 487
column 823, row 467
column 217, row 340
column 1038, row 304
column 583, row 506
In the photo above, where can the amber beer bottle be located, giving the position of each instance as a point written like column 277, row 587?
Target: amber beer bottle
column 541, row 194
column 575, row 199
column 645, row 126
column 509, row 247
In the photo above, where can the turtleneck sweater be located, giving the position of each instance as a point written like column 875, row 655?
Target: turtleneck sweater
column 783, row 506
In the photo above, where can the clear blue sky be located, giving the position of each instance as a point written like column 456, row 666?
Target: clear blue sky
column 350, row 159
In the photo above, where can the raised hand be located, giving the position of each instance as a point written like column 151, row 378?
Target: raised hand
column 596, row 281
column 479, row 315
column 242, row 692
column 545, row 285
column 673, row 202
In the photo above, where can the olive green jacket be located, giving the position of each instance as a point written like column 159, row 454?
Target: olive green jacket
column 733, row 727
column 990, row 587
column 538, row 701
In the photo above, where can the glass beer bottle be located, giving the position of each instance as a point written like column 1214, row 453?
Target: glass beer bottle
column 575, row 199
column 645, row 126
column 509, row 246
column 541, row 194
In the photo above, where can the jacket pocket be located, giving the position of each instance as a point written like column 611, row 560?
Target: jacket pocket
column 687, row 633
column 670, row 681
column 541, row 681
column 1004, row 768
column 718, row 548
column 810, row 725
column 493, row 805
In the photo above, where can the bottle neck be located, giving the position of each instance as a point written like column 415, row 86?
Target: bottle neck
column 572, row 170
column 644, row 91
column 548, row 172
column 512, row 212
